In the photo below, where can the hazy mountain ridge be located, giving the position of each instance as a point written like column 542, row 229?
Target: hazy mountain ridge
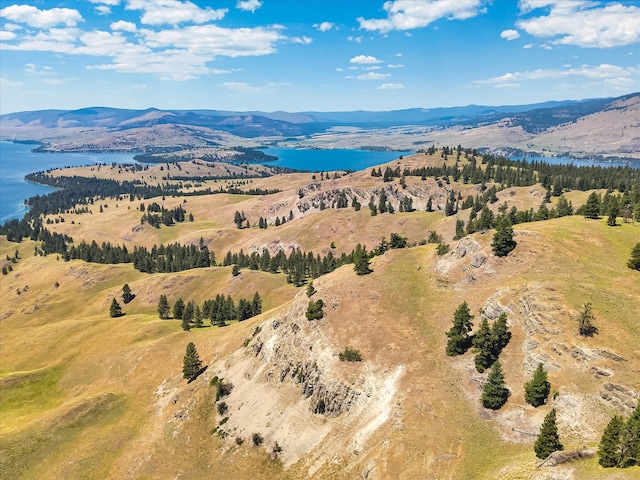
column 530, row 129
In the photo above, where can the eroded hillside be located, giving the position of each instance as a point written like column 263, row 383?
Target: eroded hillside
column 89, row 396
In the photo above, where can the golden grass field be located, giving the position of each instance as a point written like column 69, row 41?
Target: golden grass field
column 83, row 395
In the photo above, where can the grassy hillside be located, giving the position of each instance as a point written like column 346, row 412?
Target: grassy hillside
column 84, row 395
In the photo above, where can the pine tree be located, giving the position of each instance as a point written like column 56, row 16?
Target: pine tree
column 459, row 340
column 126, row 294
column 198, row 317
column 483, row 345
column 586, row 328
column 163, row 307
column 634, row 261
column 361, row 260
column 630, row 443
column 503, row 242
column 609, row 446
column 591, row 209
column 191, row 365
column 500, row 335
column 548, row 440
column 178, row 309
column 537, row 389
column 115, row 310
column 494, row 392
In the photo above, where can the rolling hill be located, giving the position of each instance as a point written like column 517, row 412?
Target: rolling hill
column 84, row 395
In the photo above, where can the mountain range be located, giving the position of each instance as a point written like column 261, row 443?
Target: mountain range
column 515, row 127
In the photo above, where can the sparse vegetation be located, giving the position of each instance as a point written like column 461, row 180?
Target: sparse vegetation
column 115, row 310
column 586, row 326
column 459, row 338
column 314, row 310
column 257, row 439
column 350, row 355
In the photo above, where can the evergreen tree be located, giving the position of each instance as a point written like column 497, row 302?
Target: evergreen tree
column 115, row 310
column 500, row 335
column 537, row 389
column 494, row 392
column 564, row 207
column 361, row 260
column 163, row 307
column 634, row 261
column 483, row 345
column 127, row 296
column 630, row 444
column 548, row 440
column 609, row 454
column 586, row 328
column 178, row 309
column 191, row 364
column 614, row 211
column 503, row 242
column 459, row 339
column 429, row 205
column 310, row 289
column 198, row 317
column 459, row 230
column 591, row 209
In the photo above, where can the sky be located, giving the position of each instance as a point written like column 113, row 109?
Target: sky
column 312, row 55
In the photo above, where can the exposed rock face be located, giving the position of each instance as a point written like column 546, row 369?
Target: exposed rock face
column 290, row 386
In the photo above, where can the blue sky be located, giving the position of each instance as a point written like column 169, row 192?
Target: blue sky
column 302, row 55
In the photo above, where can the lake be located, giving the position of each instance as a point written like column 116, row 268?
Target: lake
column 17, row 160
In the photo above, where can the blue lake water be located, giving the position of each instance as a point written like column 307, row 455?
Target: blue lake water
column 17, row 160
column 326, row 160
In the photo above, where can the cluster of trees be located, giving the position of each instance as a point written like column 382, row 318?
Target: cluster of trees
column 626, row 205
column 488, row 343
column 218, row 311
column 263, row 223
column 164, row 216
column 160, row 259
column 620, row 442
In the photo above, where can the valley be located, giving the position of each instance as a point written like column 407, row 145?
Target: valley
column 85, row 395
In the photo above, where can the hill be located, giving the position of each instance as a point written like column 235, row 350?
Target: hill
column 85, row 395
column 558, row 128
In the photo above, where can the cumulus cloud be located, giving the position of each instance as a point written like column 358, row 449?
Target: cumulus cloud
column 123, row 26
column 324, row 26
column 6, row 35
column 244, row 87
column 605, row 72
column 410, row 14
column 582, row 23
column 510, row 34
column 365, row 60
column 351, row 38
column 390, row 86
column 7, row 83
column 173, row 12
column 248, row 5
column 373, row 76
column 111, row 3
column 302, row 40
column 35, row 17
column 398, row 65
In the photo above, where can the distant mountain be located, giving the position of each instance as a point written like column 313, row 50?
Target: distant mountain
column 504, row 126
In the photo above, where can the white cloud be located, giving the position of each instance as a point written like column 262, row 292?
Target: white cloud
column 398, row 65
column 112, row 3
column 56, row 81
column 583, row 23
column 599, row 72
column 339, row 69
column 365, row 59
column 248, row 5
column 6, row 35
column 103, row 10
column 373, row 76
column 324, row 26
column 351, row 38
column 244, row 87
column 123, row 26
column 302, row 40
column 34, row 69
column 35, row 17
column 510, row 34
column 173, row 12
column 410, row 14
column 528, row 45
column 7, row 83
column 507, row 85
column 390, row 86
